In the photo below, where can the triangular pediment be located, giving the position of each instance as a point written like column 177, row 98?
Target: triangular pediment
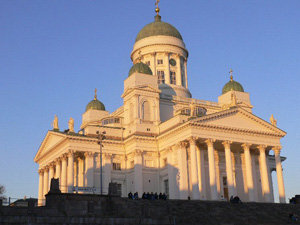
column 141, row 88
column 239, row 119
column 51, row 140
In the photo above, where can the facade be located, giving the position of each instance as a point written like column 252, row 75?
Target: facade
column 163, row 140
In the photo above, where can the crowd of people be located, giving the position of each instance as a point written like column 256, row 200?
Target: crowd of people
column 148, row 196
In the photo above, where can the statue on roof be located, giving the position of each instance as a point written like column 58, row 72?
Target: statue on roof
column 71, row 125
column 55, row 123
column 273, row 121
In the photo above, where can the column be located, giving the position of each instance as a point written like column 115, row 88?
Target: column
column 63, row 187
column 89, row 169
column 41, row 180
column 229, row 171
column 201, row 173
column 171, row 174
column 51, row 173
column 70, row 169
column 57, row 170
column 182, row 171
column 154, row 63
column 185, row 71
column 264, row 173
column 138, row 172
column 249, row 176
column 255, row 182
column 167, row 70
column 281, row 190
column 217, row 167
column 194, row 169
column 80, row 172
column 46, row 180
column 107, row 172
column 178, row 71
column 212, row 171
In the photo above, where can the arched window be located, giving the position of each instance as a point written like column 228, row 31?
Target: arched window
column 146, row 111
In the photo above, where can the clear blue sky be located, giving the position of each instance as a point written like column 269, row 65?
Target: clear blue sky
column 53, row 53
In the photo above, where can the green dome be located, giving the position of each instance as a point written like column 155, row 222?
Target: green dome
column 232, row 85
column 95, row 104
column 158, row 28
column 140, row 68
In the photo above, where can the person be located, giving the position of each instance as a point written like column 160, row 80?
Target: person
column 231, row 198
column 130, row 195
column 160, row 196
column 155, row 196
column 136, row 196
column 164, row 196
column 144, row 196
column 152, row 196
column 236, row 199
column 293, row 217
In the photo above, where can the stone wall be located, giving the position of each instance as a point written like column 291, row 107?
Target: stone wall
column 104, row 210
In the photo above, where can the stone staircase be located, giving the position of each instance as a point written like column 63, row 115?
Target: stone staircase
column 104, row 210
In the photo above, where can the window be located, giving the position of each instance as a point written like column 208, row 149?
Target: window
column 148, row 63
column 186, row 112
column 160, row 61
column 199, row 111
column 146, row 111
column 161, row 77
column 172, row 77
column 110, row 120
column 116, row 166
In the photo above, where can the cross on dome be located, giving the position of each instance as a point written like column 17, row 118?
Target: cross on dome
column 157, row 8
column 95, row 96
column 230, row 72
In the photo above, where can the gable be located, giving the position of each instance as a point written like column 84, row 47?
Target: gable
column 239, row 119
column 51, row 140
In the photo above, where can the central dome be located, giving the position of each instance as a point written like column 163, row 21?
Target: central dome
column 158, row 28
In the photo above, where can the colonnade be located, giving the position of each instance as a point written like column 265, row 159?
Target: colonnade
column 81, row 175
column 197, row 176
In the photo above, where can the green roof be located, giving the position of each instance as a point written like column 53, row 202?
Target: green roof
column 158, row 28
column 232, row 85
column 96, row 105
column 140, row 68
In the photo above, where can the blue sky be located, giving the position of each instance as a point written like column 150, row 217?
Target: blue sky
column 53, row 53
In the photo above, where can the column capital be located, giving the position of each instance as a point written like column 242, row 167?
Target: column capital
column 88, row 154
column 46, row 168
column 138, row 152
column 41, row 171
column 262, row 148
column 210, row 141
column 182, row 144
column 226, row 144
column 277, row 150
column 57, row 160
column 70, row 153
column 51, row 165
column 169, row 150
column 246, row 146
column 64, row 157
column 192, row 139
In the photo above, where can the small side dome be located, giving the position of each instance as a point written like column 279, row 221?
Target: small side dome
column 140, row 67
column 95, row 104
column 232, row 85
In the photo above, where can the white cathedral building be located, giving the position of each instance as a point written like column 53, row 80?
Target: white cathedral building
column 163, row 140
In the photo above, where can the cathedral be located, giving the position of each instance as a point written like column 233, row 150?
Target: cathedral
column 163, row 140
